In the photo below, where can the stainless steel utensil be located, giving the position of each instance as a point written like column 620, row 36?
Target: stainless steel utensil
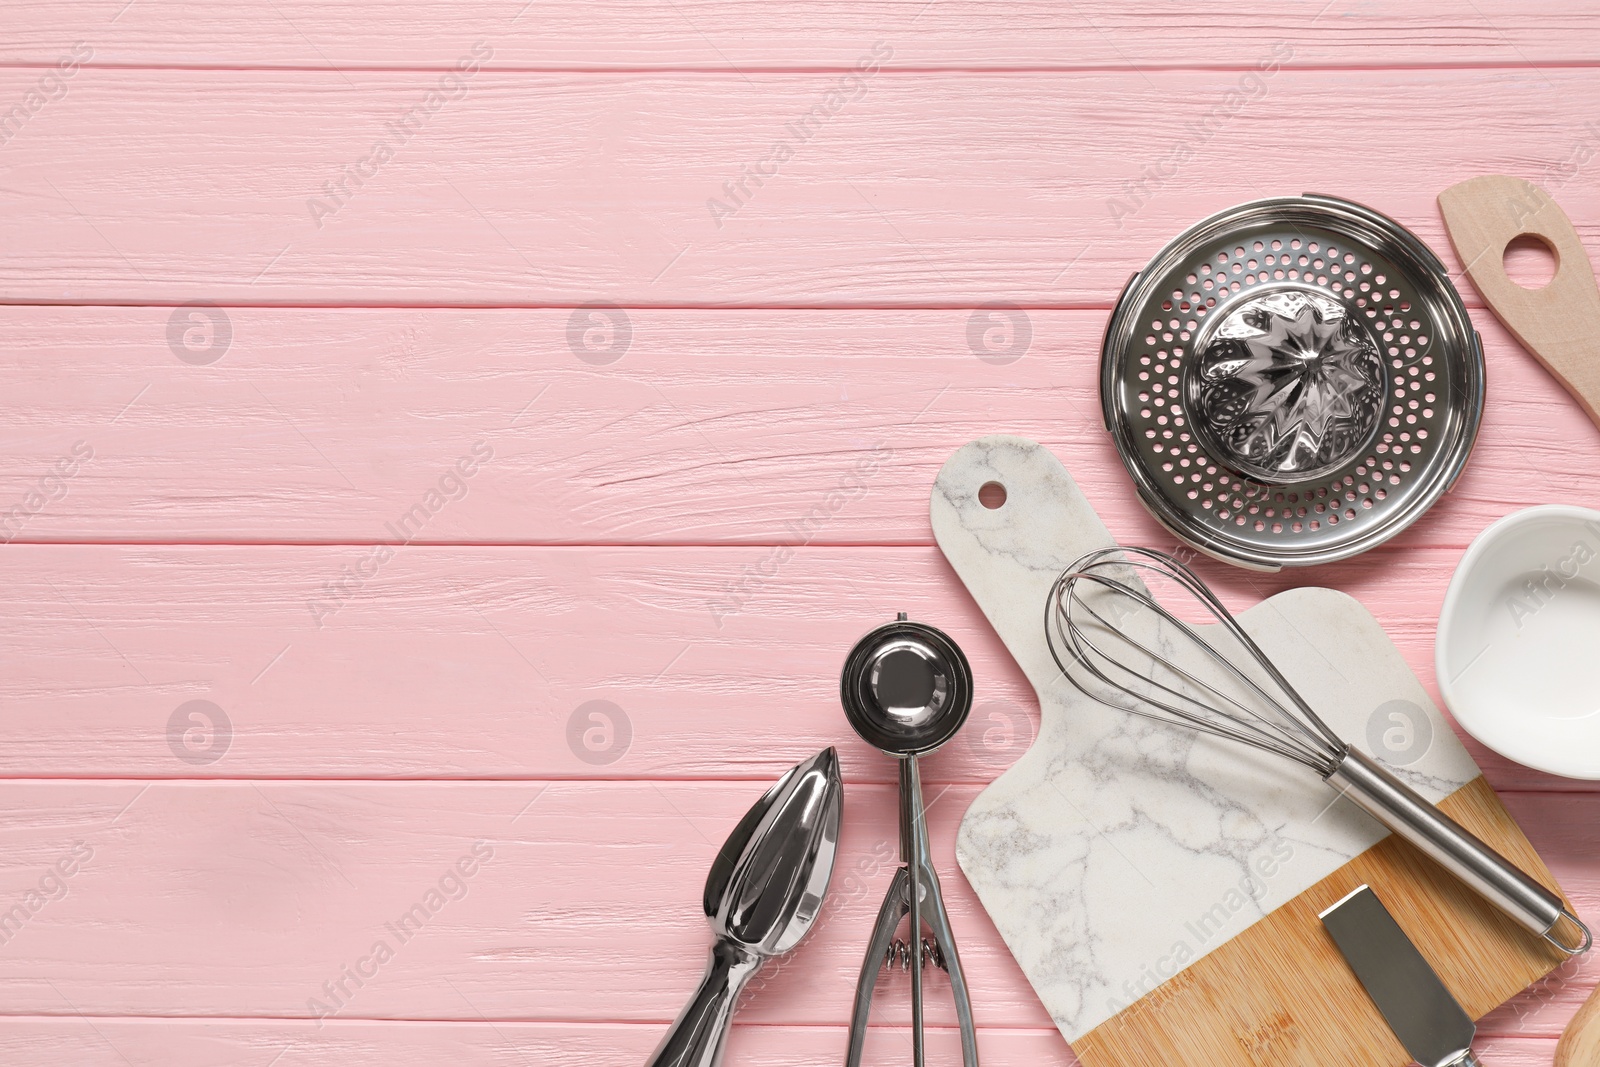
column 763, row 894
column 1418, row 1008
column 906, row 689
column 1291, row 381
column 1131, row 653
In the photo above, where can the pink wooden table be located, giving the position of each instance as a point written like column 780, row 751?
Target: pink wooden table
column 466, row 437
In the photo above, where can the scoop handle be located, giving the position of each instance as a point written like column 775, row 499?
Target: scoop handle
column 1559, row 323
column 697, row 1038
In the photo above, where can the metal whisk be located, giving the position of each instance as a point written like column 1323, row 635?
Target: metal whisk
column 1119, row 646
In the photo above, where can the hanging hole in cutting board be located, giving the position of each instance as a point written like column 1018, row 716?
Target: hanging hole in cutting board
column 1530, row 261
column 992, row 495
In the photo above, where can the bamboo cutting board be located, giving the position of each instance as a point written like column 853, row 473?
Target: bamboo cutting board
column 1160, row 889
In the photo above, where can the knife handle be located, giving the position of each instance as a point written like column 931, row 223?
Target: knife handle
column 700, row 1032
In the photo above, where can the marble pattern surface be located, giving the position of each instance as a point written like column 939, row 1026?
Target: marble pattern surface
column 1118, row 850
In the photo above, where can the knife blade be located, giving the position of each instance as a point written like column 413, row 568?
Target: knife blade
column 1423, row 1014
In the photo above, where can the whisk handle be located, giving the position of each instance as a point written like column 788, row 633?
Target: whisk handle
column 1399, row 807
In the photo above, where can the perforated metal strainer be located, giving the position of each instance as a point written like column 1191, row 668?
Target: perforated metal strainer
column 1291, row 381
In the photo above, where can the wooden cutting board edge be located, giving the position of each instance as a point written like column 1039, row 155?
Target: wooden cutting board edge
column 1280, row 993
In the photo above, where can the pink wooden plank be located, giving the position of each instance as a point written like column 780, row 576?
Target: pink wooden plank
column 259, row 893
column 539, row 189
column 121, row 1042
column 457, row 662
column 240, row 898
column 713, row 426
column 483, row 663
column 243, row 899
column 754, row 36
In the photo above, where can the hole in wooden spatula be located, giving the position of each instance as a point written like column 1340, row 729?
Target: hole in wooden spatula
column 992, row 495
column 1530, row 261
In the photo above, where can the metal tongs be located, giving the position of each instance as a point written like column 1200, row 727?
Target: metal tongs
column 906, row 690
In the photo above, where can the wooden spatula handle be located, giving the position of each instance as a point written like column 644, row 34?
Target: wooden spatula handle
column 1580, row 1044
column 1560, row 323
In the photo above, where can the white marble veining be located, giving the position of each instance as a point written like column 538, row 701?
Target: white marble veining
column 1119, row 850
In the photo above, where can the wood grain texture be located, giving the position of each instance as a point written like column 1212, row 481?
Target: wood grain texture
column 909, row 189
column 244, row 898
column 751, row 35
column 1020, row 153
column 1557, row 323
column 1281, row 993
column 713, row 426
column 458, row 662
column 121, row 1042
column 1580, row 1042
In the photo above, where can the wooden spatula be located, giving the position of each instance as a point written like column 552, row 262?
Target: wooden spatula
column 1580, row 1044
column 1559, row 323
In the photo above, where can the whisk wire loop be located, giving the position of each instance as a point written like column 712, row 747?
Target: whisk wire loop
column 1164, row 669
column 1097, row 661
column 1165, row 684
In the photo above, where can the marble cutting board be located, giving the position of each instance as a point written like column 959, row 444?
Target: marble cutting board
column 1160, row 889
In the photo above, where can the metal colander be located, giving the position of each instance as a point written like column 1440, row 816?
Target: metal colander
column 1291, row 381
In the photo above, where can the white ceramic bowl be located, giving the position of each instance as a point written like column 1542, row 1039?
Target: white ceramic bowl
column 1518, row 651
